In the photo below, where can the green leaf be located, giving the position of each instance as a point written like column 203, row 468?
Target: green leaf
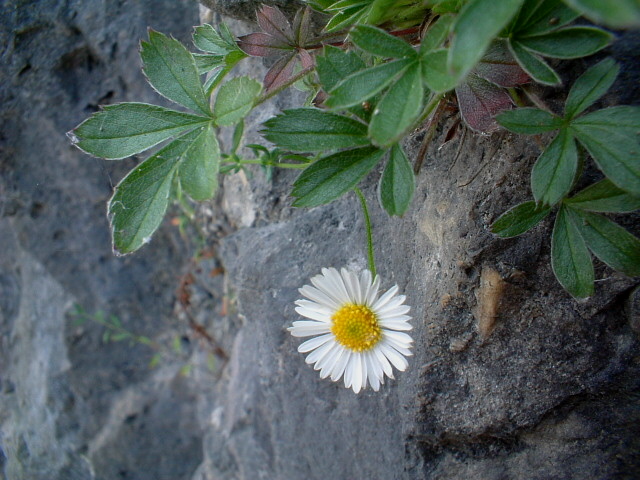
column 332, row 176
column 378, row 42
column 206, row 38
column 141, row 198
column 346, row 18
column 591, row 85
column 604, row 196
column 529, row 121
column 435, row 72
column 537, row 17
column 519, row 219
column 397, row 183
column 613, row 146
column 198, row 171
column 610, row 242
column 537, row 68
column 362, row 85
column 205, row 63
column 436, row 34
column 378, row 10
column 569, row 42
column 570, row 258
column 314, row 130
column 555, row 170
column 235, row 100
column 125, row 129
column 477, row 25
column 231, row 60
column 171, row 70
column 614, row 13
column 398, row 109
column 335, row 65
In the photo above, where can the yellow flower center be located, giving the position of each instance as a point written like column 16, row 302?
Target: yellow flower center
column 356, row 327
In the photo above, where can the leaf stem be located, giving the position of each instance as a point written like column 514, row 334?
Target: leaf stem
column 367, row 221
column 267, row 95
column 267, row 164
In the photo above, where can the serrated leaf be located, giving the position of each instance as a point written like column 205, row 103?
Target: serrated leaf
column 614, row 148
column 537, row 68
column 604, row 197
column 314, row 130
column 235, row 100
column 302, row 26
column 378, row 10
column 263, row 45
column 206, row 63
column 500, row 68
column 397, row 183
column 623, row 117
column 273, row 22
column 198, row 170
column 614, row 13
column 121, row 130
column 537, row 17
column 280, row 72
column 519, row 219
column 590, row 86
column 140, row 200
column 360, row 86
column 529, row 121
column 398, row 109
column 436, row 34
column 332, row 176
column 335, row 65
column 231, row 60
column 611, row 243
column 555, row 170
column 346, row 18
column 435, row 72
column 206, row 38
column 477, row 25
column 378, row 42
column 570, row 257
column 480, row 101
column 171, row 70
column 569, row 42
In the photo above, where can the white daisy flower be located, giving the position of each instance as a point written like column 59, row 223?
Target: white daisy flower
column 356, row 334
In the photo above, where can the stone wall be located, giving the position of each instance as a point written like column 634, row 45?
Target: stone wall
column 545, row 388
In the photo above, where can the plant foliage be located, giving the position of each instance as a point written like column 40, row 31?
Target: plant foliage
column 376, row 71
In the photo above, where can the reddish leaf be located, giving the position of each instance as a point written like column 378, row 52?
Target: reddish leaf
column 280, row 72
column 306, row 59
column 498, row 66
column 302, row 26
column 273, row 22
column 480, row 101
column 262, row 45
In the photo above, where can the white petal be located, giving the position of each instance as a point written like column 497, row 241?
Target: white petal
column 341, row 363
column 372, row 371
column 335, row 282
column 315, row 306
column 314, row 343
column 328, row 363
column 398, row 337
column 353, row 285
column 357, row 373
column 384, row 363
column 382, row 301
column 365, row 285
column 396, row 312
column 391, row 305
column 318, row 296
column 396, row 325
column 313, row 314
column 318, row 353
column 348, row 371
column 394, row 357
column 372, row 293
column 306, row 328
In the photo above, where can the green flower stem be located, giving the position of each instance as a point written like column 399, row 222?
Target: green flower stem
column 367, row 221
column 299, row 166
column 267, row 95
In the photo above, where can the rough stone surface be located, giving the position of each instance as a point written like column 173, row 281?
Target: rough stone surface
column 539, row 386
